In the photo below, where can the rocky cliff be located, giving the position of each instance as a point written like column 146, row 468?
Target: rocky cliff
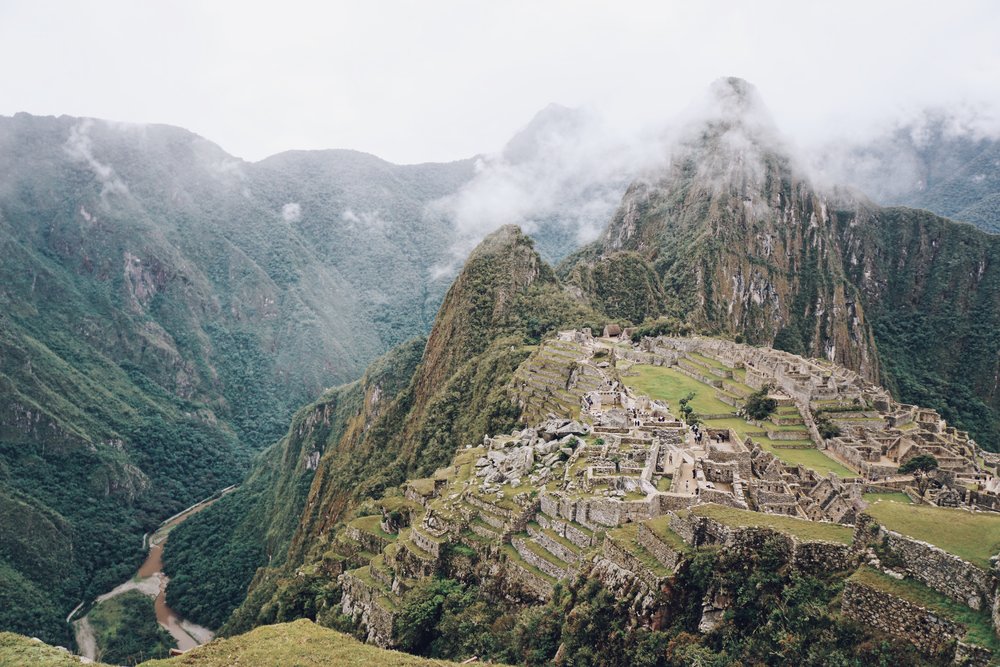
column 736, row 239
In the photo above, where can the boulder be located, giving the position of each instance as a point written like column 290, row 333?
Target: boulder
column 572, row 428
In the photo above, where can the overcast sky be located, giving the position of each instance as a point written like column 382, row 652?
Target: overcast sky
column 429, row 80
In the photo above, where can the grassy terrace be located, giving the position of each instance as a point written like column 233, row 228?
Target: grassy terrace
column 813, row 459
column 800, row 528
column 974, row 537
column 979, row 628
column 887, row 497
column 372, row 525
column 512, row 555
column 708, row 361
column 671, row 385
column 661, row 528
column 542, row 552
column 557, row 537
column 627, row 536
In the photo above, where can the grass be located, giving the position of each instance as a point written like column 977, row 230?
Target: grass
column 707, row 361
column 663, row 484
column 20, row 650
column 542, row 552
column 888, row 497
column 511, row 553
column 558, row 538
column 813, row 459
column 627, row 535
column 973, row 537
column 661, row 528
column 671, row 385
column 372, row 525
column 301, row 643
column 979, row 629
column 800, row 528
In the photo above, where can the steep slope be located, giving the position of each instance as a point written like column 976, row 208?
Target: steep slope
column 213, row 556
column 164, row 307
column 298, row 643
column 741, row 243
column 504, row 297
column 940, row 161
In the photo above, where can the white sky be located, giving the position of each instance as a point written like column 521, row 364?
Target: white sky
column 437, row 80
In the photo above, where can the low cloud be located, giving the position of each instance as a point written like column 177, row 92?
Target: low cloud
column 80, row 146
column 291, row 212
column 561, row 177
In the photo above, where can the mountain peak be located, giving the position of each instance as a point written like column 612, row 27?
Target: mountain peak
column 553, row 121
column 732, row 107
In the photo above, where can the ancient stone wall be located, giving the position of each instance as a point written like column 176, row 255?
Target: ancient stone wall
column 368, row 541
column 950, row 575
column 360, row 602
column 543, row 564
column 883, row 611
column 554, row 547
column 626, row 560
column 425, row 542
column 521, row 583
column 663, row 552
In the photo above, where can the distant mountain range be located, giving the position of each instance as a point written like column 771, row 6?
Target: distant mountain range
column 165, row 308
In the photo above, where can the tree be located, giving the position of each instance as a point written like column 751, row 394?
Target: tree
column 688, row 414
column 920, row 466
column 760, row 405
column 827, row 429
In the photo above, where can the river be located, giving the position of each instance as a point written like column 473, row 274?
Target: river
column 150, row 580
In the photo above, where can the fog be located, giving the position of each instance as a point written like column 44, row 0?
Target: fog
column 443, row 80
column 562, row 103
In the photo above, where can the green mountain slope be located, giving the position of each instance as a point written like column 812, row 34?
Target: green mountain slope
column 401, row 421
column 733, row 239
column 164, row 307
column 939, row 161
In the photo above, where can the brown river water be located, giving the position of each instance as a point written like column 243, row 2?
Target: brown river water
column 150, row 580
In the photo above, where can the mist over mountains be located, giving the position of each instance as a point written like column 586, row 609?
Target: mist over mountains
column 165, row 307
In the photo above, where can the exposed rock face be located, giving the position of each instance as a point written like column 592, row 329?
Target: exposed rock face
column 740, row 241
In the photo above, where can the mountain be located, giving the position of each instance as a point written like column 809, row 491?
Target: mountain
column 404, row 419
column 734, row 238
column 164, row 308
column 526, row 493
column 559, row 178
column 943, row 162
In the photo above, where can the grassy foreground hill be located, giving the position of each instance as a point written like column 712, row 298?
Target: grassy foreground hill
column 299, row 643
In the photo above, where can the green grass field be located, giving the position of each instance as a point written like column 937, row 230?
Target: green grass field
column 974, row 537
column 708, row 361
column 887, row 497
column 800, row 528
column 813, row 459
column 671, row 385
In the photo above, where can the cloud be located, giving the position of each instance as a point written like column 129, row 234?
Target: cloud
column 80, row 147
column 561, row 176
column 291, row 212
column 892, row 159
column 370, row 220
